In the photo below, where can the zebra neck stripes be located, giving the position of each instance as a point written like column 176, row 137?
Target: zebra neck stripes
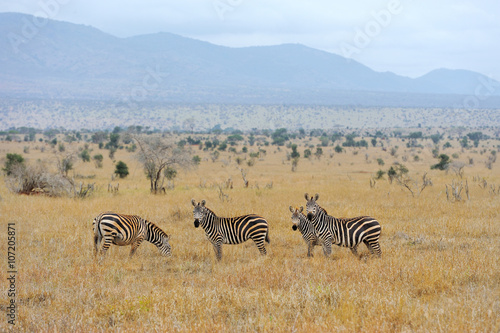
column 156, row 236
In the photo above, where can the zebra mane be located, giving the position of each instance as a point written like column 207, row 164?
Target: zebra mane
column 321, row 208
column 156, row 228
column 210, row 211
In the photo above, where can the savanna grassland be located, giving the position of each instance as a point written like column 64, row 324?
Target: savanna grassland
column 439, row 270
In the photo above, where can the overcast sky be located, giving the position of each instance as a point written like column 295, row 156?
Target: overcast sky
column 407, row 37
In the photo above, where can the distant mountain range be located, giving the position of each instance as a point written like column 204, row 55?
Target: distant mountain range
column 50, row 59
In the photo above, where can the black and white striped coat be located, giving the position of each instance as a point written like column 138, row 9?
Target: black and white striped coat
column 119, row 229
column 306, row 228
column 346, row 232
column 230, row 230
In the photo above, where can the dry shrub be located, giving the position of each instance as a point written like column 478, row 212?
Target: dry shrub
column 36, row 179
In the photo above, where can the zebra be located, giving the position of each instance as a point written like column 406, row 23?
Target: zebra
column 112, row 228
column 230, row 230
column 306, row 228
column 347, row 232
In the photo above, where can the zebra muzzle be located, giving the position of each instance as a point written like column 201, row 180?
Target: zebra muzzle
column 196, row 223
column 294, row 227
column 310, row 216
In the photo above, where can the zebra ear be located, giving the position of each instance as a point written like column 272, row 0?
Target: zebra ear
column 301, row 209
column 291, row 209
column 193, row 202
column 316, row 197
column 203, row 203
column 306, row 196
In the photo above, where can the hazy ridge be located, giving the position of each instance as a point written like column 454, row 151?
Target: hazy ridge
column 61, row 60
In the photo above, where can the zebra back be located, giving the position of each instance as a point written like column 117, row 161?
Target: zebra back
column 236, row 230
column 350, row 232
column 124, row 227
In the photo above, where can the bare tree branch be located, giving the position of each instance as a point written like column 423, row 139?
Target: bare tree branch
column 156, row 155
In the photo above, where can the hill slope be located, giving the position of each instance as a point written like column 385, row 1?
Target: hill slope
column 60, row 60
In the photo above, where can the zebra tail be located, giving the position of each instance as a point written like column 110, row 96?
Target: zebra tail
column 97, row 230
column 267, row 237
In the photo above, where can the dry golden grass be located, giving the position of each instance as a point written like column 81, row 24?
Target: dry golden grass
column 439, row 271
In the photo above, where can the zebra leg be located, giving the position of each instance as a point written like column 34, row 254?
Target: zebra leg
column 218, row 250
column 134, row 247
column 97, row 243
column 374, row 248
column 327, row 248
column 262, row 248
column 354, row 250
column 260, row 244
column 105, row 246
column 310, row 247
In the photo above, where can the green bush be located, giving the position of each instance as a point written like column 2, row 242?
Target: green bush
column 444, row 160
column 12, row 161
column 121, row 169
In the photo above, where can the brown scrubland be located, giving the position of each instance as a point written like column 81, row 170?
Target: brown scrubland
column 439, row 269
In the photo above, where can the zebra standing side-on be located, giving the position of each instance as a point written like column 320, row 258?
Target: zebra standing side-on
column 346, row 232
column 306, row 228
column 118, row 229
column 230, row 230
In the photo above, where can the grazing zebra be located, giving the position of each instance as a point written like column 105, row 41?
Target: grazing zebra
column 347, row 232
column 306, row 228
column 111, row 228
column 230, row 230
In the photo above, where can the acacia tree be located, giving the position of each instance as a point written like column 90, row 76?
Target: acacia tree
column 156, row 154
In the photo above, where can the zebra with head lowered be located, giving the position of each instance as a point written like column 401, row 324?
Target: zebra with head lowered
column 306, row 228
column 230, row 230
column 347, row 232
column 118, row 229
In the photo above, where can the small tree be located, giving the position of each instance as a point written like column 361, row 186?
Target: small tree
column 319, row 152
column 295, row 153
column 121, row 169
column 444, row 160
column 436, row 138
column 85, row 156
column 98, row 158
column 65, row 164
column 280, row 136
column 196, row 159
column 222, row 146
column 13, row 160
column 156, row 155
